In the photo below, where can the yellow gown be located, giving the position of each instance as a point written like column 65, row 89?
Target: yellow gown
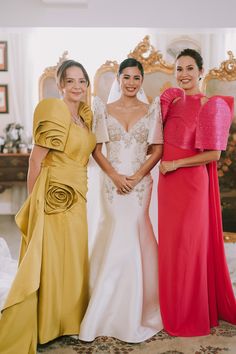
column 49, row 295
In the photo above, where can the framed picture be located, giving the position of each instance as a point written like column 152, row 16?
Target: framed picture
column 3, row 56
column 4, row 99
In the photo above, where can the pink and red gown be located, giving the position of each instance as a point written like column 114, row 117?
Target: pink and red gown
column 194, row 282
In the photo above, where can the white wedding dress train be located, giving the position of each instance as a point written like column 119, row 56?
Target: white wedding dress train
column 123, row 269
column 8, row 267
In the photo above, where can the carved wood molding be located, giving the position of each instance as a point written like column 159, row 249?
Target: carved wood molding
column 229, row 236
column 151, row 59
column 226, row 71
column 51, row 72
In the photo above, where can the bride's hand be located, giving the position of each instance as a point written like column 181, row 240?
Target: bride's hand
column 134, row 179
column 122, row 184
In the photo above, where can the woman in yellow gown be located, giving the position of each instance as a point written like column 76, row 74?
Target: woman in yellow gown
column 49, row 295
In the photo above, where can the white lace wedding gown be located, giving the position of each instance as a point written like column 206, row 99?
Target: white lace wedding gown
column 123, row 270
column 8, row 267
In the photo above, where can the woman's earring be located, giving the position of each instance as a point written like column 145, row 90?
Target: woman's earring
column 141, row 91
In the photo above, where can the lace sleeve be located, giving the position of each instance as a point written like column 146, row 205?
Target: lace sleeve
column 99, row 121
column 155, row 134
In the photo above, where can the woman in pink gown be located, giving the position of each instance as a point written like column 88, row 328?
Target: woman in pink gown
column 195, row 287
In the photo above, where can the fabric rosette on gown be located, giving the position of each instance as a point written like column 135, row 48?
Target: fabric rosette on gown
column 49, row 294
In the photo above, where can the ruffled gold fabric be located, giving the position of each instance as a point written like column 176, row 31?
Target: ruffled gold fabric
column 49, row 295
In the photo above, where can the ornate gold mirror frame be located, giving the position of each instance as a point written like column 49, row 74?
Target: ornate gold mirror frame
column 226, row 71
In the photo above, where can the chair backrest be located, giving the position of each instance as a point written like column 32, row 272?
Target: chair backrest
column 222, row 81
column 48, row 85
column 159, row 74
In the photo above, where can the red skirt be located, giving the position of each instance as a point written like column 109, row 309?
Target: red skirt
column 194, row 282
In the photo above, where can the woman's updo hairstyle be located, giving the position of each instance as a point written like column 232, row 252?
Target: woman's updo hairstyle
column 61, row 71
column 129, row 63
column 193, row 54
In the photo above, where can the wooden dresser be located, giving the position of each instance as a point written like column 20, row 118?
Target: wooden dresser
column 13, row 169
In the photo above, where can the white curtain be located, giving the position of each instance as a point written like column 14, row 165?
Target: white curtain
column 19, row 79
column 20, row 85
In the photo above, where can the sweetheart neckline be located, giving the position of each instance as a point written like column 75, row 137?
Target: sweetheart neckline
column 129, row 130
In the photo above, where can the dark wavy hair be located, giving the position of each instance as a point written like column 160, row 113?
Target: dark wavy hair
column 129, row 63
column 193, row 54
column 61, row 70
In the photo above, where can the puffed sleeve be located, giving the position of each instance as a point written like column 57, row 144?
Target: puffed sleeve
column 51, row 124
column 86, row 113
column 214, row 122
column 99, row 121
column 155, row 134
column 167, row 97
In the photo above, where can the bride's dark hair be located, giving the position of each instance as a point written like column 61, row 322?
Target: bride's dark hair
column 129, row 63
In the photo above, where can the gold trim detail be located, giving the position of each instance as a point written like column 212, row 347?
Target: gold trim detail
column 165, row 86
column 150, row 58
column 226, row 71
column 50, row 72
column 229, row 236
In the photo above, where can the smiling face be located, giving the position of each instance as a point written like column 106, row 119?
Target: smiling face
column 130, row 81
column 187, row 74
column 74, row 84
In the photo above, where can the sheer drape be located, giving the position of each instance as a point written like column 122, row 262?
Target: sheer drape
column 20, row 85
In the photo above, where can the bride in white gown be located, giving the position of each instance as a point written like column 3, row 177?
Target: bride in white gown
column 8, row 267
column 124, row 276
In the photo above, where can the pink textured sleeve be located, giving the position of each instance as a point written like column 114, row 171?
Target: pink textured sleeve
column 167, row 97
column 214, row 122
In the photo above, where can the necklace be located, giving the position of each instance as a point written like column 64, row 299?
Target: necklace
column 77, row 120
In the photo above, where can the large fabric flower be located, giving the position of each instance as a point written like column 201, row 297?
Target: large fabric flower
column 51, row 124
column 59, row 198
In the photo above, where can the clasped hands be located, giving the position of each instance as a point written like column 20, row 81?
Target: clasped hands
column 125, row 184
